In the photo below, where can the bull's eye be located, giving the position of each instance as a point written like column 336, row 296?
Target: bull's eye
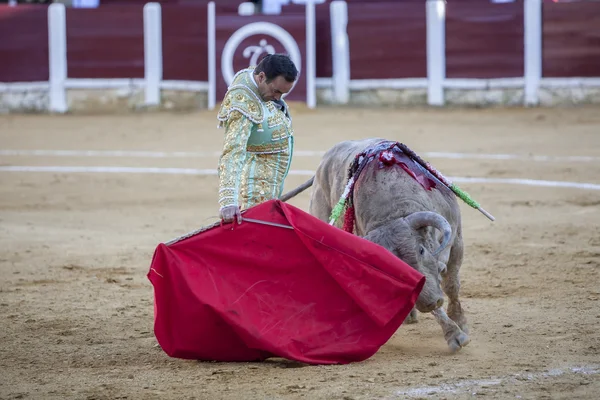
column 421, row 250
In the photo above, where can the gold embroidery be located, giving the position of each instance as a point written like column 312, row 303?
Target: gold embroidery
column 253, row 108
column 267, row 180
column 274, row 120
column 277, row 116
column 250, row 174
column 280, row 133
column 243, row 100
column 231, row 162
column 272, row 147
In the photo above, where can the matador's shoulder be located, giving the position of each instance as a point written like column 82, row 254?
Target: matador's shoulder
column 240, row 97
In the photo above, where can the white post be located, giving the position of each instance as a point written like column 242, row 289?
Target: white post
column 246, row 8
column 436, row 51
column 212, row 56
column 57, row 57
column 153, row 63
column 311, row 64
column 273, row 7
column 340, row 46
column 533, row 50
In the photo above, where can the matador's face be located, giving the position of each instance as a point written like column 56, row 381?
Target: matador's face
column 272, row 90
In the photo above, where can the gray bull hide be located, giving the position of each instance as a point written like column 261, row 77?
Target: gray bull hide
column 421, row 227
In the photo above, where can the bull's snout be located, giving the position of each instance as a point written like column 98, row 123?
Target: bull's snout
column 431, row 297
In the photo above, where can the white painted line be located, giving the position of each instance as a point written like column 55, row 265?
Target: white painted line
column 528, row 182
column 297, row 153
column 509, row 157
column 110, row 170
column 108, row 153
column 130, row 153
column 472, row 386
column 194, row 171
column 124, row 170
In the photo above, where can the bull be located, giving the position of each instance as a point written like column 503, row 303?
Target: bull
column 392, row 208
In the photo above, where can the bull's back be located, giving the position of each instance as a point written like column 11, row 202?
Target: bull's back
column 332, row 173
column 380, row 194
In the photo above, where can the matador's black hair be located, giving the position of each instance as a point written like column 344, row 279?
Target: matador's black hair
column 274, row 65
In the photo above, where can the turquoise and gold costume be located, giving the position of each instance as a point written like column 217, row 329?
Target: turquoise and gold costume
column 258, row 147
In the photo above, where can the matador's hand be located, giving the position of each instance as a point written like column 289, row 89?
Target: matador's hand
column 228, row 213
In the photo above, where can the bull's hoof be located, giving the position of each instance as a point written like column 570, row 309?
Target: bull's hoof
column 458, row 317
column 458, row 341
column 462, row 323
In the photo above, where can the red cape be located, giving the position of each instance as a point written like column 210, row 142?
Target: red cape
column 314, row 293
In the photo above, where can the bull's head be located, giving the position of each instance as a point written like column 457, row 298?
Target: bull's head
column 408, row 239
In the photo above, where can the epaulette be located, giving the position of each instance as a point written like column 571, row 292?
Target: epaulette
column 241, row 98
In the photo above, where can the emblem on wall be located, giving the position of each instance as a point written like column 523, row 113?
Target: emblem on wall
column 253, row 52
column 266, row 38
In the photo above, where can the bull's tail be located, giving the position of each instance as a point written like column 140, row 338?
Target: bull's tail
column 298, row 190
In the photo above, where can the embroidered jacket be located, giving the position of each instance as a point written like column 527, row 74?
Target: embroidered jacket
column 258, row 145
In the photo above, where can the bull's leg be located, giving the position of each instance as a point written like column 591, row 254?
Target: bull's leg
column 454, row 336
column 319, row 204
column 451, row 285
column 412, row 317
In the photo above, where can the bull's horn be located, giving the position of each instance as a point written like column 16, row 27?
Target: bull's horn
column 421, row 219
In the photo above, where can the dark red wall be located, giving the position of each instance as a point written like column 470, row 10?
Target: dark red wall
column 387, row 40
column 107, row 42
column 571, row 39
column 323, row 36
column 185, row 48
column 484, row 40
column 24, row 43
column 224, row 5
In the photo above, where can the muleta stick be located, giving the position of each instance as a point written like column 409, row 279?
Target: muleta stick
column 464, row 196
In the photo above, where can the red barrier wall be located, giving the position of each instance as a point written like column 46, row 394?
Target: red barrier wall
column 387, row 40
column 24, row 43
column 222, row 5
column 324, row 63
column 324, row 67
column 484, row 40
column 185, row 46
column 571, row 39
column 107, row 42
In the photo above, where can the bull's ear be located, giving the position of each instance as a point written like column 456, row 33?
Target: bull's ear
column 381, row 238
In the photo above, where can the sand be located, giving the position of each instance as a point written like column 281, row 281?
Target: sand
column 77, row 309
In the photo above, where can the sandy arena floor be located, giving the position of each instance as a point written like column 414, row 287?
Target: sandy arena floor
column 75, row 247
